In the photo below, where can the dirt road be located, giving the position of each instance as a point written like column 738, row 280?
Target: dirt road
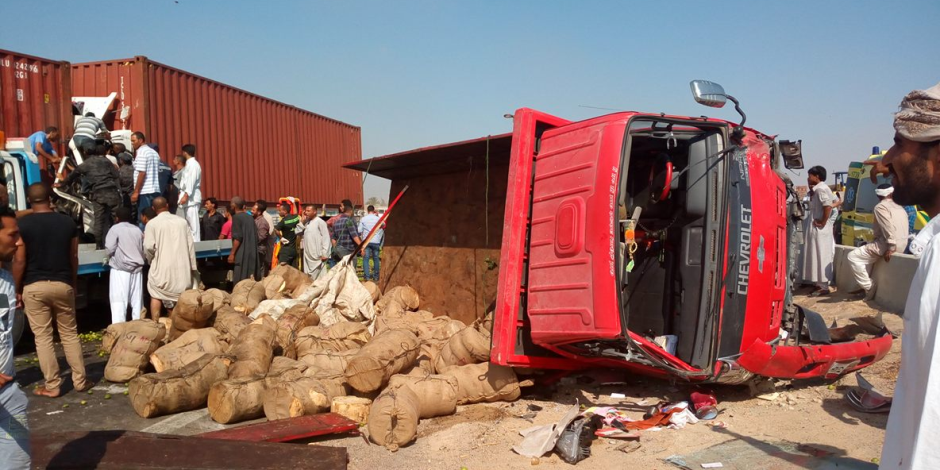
column 811, row 414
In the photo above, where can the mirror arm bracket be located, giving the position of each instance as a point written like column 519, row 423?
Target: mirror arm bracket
column 738, row 133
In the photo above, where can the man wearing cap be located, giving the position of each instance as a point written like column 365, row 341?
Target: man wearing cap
column 891, row 231
column 914, row 164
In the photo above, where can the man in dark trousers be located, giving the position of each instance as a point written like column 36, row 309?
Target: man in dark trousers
column 103, row 183
column 286, row 229
column 345, row 233
column 45, row 270
column 244, row 255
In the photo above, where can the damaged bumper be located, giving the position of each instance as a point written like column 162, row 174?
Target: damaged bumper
column 803, row 362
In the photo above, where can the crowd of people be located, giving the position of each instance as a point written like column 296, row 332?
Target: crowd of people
column 147, row 218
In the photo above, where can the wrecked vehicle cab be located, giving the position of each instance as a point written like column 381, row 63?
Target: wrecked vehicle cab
column 658, row 244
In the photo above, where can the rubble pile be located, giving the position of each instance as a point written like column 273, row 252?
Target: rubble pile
column 285, row 347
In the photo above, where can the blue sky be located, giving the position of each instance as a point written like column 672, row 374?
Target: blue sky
column 417, row 73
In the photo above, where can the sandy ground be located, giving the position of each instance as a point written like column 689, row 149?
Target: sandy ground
column 481, row 436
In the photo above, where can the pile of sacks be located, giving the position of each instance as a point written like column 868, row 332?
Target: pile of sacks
column 285, row 347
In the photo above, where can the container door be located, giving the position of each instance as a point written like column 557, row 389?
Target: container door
column 571, row 272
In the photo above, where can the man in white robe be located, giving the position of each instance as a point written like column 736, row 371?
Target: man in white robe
column 819, row 247
column 912, row 438
column 316, row 242
column 168, row 245
column 190, row 186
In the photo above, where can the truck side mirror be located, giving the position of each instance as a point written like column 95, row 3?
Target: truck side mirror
column 792, row 153
column 708, row 93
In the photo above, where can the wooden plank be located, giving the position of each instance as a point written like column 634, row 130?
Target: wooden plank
column 285, row 430
column 125, row 449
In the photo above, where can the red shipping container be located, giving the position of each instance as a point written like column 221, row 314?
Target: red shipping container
column 248, row 145
column 35, row 93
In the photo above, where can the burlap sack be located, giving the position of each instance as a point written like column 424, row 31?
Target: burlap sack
column 438, row 329
column 403, row 320
column 393, row 418
column 177, row 390
column 294, row 279
column 192, row 311
column 332, row 362
column 230, row 323
column 427, row 357
column 341, row 336
column 247, row 295
column 468, row 346
column 404, row 296
column 289, row 325
column 187, row 348
column 389, row 353
column 253, row 349
column 135, row 341
column 374, row 290
column 273, row 285
column 219, row 298
column 485, row 382
column 437, row 394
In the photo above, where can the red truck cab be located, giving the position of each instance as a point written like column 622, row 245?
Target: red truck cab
column 654, row 243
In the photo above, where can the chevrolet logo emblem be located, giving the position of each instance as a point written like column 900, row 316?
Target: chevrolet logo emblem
column 761, row 254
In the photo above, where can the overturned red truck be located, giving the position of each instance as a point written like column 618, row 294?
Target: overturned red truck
column 655, row 243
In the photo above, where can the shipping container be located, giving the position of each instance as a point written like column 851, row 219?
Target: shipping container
column 248, row 145
column 35, row 93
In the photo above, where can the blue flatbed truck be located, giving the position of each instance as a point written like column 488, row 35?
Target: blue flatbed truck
column 21, row 169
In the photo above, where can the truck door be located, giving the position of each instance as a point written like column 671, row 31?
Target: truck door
column 572, row 293
column 16, row 185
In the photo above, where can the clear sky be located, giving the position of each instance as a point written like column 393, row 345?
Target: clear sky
column 418, row 73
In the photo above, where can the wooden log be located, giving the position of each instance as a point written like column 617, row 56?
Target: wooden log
column 230, row 323
column 247, row 295
column 354, row 408
column 289, row 325
column 253, row 349
column 387, row 354
column 304, row 396
column 177, row 390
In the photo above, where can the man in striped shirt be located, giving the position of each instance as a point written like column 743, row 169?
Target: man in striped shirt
column 146, row 174
column 86, row 131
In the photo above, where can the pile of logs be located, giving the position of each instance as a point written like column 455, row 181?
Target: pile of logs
column 401, row 365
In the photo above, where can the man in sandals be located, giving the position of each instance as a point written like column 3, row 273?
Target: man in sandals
column 819, row 247
column 45, row 270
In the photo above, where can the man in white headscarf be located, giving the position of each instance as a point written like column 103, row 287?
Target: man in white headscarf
column 913, row 433
column 890, row 230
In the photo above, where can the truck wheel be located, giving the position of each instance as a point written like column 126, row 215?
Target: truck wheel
column 19, row 324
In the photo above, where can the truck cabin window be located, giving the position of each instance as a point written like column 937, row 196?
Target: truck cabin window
column 661, row 292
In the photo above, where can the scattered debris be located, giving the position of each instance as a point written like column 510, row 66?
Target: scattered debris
column 55, row 412
column 712, row 465
column 538, row 440
column 769, row 396
column 629, row 446
column 618, row 395
column 574, row 444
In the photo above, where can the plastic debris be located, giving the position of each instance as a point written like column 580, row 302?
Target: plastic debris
column 712, row 465
column 574, row 444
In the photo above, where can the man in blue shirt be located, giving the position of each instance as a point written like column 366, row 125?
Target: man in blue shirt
column 40, row 143
column 371, row 253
